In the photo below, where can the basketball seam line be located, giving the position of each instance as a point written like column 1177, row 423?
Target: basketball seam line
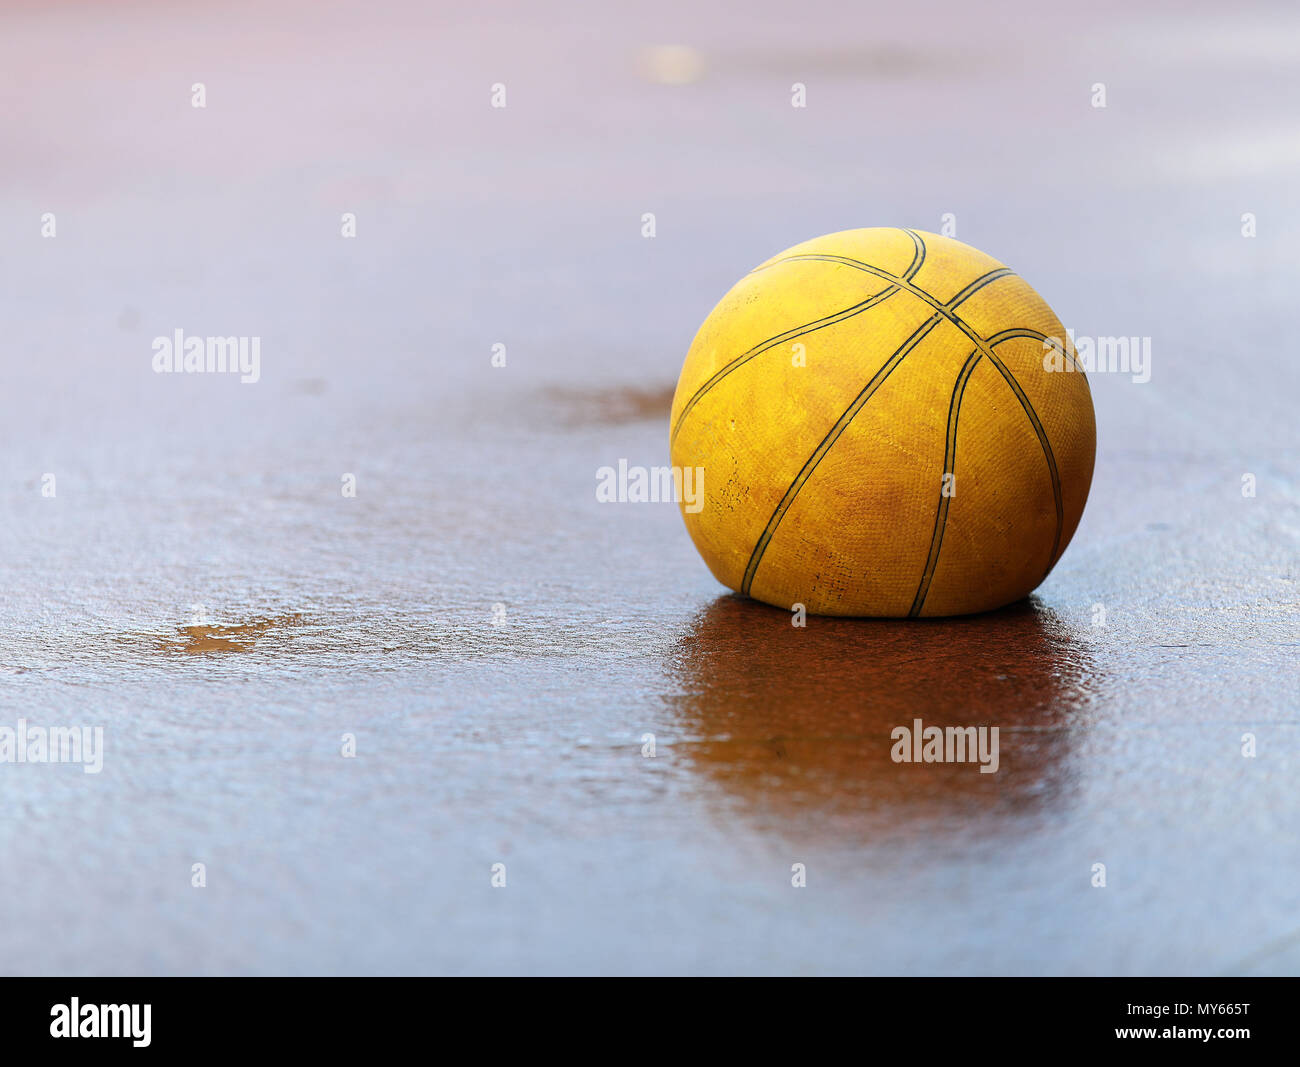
column 918, row 258
column 947, row 311
column 789, row 335
column 913, row 268
column 950, row 459
column 1049, row 455
column 1035, row 335
column 949, row 467
column 942, row 311
column 828, row 442
column 896, row 284
column 903, row 282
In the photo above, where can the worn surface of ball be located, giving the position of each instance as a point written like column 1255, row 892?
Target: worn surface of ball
column 889, row 423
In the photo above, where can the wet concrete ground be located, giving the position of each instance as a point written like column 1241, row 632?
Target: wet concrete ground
column 500, row 644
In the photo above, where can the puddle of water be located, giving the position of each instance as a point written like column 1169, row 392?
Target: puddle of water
column 610, row 406
column 216, row 637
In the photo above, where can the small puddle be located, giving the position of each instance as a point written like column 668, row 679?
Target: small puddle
column 610, row 407
column 215, row 637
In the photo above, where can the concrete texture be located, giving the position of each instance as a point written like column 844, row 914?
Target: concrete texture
column 515, row 734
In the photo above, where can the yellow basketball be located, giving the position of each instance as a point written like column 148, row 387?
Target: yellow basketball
column 883, row 422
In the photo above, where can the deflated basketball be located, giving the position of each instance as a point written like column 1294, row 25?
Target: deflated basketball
column 884, row 422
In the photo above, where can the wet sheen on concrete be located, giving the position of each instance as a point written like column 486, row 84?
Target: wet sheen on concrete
column 505, row 650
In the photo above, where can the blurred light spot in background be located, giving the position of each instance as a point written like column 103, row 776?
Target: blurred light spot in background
column 672, row 64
